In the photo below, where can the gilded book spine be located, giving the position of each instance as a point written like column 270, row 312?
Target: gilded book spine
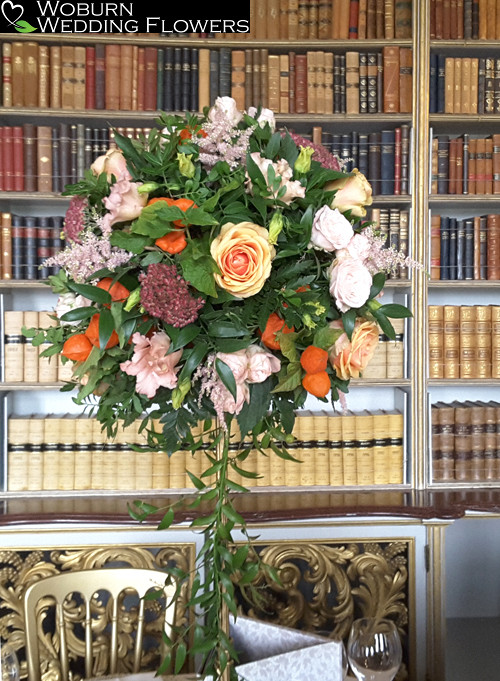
column 483, row 340
column 67, row 445
column 321, row 453
column 14, row 346
column 451, row 341
column 18, row 455
column 396, row 450
column 35, row 439
column 51, row 438
column 468, row 340
column 364, row 449
column 335, row 450
column 83, row 453
column 435, row 326
column 349, row 449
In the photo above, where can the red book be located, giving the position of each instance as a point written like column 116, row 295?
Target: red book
column 353, row 19
column 8, row 159
column 140, row 78
column 397, row 161
column 1, row 160
column 18, row 157
column 90, row 77
column 300, row 83
column 150, row 78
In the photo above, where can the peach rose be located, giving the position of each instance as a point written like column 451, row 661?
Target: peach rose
column 350, row 283
column 112, row 163
column 243, row 254
column 353, row 193
column 349, row 358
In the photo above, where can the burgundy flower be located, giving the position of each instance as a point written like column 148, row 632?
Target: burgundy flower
column 74, row 218
column 321, row 153
column 165, row 294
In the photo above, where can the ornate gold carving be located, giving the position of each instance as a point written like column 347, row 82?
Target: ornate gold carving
column 19, row 569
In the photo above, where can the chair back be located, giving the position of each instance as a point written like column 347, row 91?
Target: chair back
column 103, row 591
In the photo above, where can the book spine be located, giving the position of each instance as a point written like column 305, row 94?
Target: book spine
column 435, row 331
column 390, row 55
column 451, row 341
column 468, row 342
column 7, row 74
column 493, row 250
column 387, row 169
column 112, row 77
column 437, row 271
column 90, row 82
column 44, row 158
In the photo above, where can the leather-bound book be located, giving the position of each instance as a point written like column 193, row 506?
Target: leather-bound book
column 365, row 470
column 17, row 245
column 477, row 246
column 379, row 19
column 451, row 341
column 6, row 74
column 460, row 249
column 463, row 442
column 434, row 165
column 44, row 158
column 56, row 162
column 214, row 75
column 446, row 19
column 302, row 19
column 112, row 77
column 374, row 154
column 261, row 19
column 405, row 79
column 88, row 146
column 100, row 76
column 194, row 77
column 43, row 246
column 238, row 78
column 474, row 85
column 150, row 79
column 478, row 427
column 349, row 448
column 436, row 272
column 435, row 331
column 433, row 82
column 405, row 158
column 273, row 87
column 293, row 19
column 64, row 153
column 483, row 247
column 472, row 165
column 469, row 248
column 141, row 78
column 490, row 448
column 396, row 447
column 483, row 340
column 30, row 248
column 363, row 153
column 467, row 19
column 83, row 448
column 442, row 164
column 29, row 157
column 248, row 82
column 55, row 77
column 457, row 85
column 452, row 225
column 325, row 19
column 443, row 442
column 390, row 55
column 371, row 19
column 301, row 103
column 256, row 77
column 7, row 148
column 67, row 76
column 465, row 84
column 449, row 84
column 362, row 12
column 489, row 85
column 459, row 160
column 387, row 144
column 6, row 241
column 168, row 78
column 465, row 163
column 73, row 152
column 283, row 20
column 126, row 70
column 17, row 61
column 452, row 165
column 363, row 82
column 352, row 82
column 343, row 18
column 444, row 248
column 381, row 447
column 30, row 80
column 388, row 19
column 204, row 78
column 488, row 165
column 177, row 78
column 496, row 91
column 493, row 251
column 43, row 76
column 185, row 78
column 468, row 342
column 496, row 162
column 225, row 72
column 79, row 75
column 90, row 77
column 312, row 19
column 337, row 107
column 441, row 83
column 402, row 19
column 284, row 82
column 335, row 450
column 372, row 90
column 321, row 468
column 495, row 349
column 480, row 165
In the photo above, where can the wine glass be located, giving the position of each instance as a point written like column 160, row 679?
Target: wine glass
column 374, row 649
column 9, row 664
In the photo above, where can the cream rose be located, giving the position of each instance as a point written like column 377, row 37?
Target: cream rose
column 243, row 254
column 330, row 230
column 112, row 163
column 353, row 193
column 228, row 106
column 349, row 358
column 265, row 116
column 350, row 283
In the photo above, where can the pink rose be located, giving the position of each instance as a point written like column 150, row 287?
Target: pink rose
column 353, row 193
column 350, row 283
column 232, row 406
column 112, row 163
column 151, row 364
column 123, row 203
column 261, row 364
column 282, row 169
column 237, row 362
column 330, row 230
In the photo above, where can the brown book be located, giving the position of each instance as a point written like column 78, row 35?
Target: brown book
column 496, row 162
column 328, row 61
column 490, row 448
column 459, row 164
column 273, row 85
column 477, row 246
column 273, row 20
column 370, row 19
column 112, row 77
column 443, row 442
column 284, row 83
column 311, row 83
column 474, row 84
column 405, row 79
column 493, row 250
column 283, row 20
column 7, row 149
column 362, row 12
column 465, row 98
column 302, row 19
column 256, row 78
column 301, row 104
column 390, row 54
column 452, row 165
column 43, row 76
column 320, row 82
column 446, row 19
column 453, row 20
column 495, row 345
column 6, row 244
column 483, row 341
column 352, row 82
column 388, row 16
column 324, row 19
column 293, row 19
column 126, row 76
column 238, row 78
column 67, row 77
column 100, row 76
column 313, row 19
column 483, row 19
column 44, row 158
column 402, row 19
column 451, row 341
column 480, row 158
column 204, row 78
column 478, row 427
column 379, row 19
column 463, row 442
column 468, row 343
column 248, row 79
column 435, row 331
column 7, row 74
column 344, row 11
column 261, row 19
column 17, row 61
column 488, row 165
column 472, row 172
column 435, row 247
column 90, row 77
column 55, row 76
column 264, row 77
column 79, row 75
column 150, row 77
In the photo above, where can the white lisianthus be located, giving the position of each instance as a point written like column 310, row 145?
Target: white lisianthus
column 228, row 106
column 265, row 116
column 67, row 302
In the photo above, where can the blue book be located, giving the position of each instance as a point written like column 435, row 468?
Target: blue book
column 168, row 79
column 441, row 60
column 387, row 145
column 433, row 82
column 452, row 269
column 444, row 232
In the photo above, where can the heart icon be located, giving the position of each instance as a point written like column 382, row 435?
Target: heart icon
column 8, row 8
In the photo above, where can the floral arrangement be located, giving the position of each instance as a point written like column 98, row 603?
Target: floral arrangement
column 218, row 270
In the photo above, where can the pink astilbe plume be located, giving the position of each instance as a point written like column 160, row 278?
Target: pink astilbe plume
column 223, row 141
column 165, row 294
column 321, row 153
column 368, row 246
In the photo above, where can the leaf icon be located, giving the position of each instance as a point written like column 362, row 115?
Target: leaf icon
column 24, row 27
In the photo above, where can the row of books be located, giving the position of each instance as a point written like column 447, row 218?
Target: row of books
column 465, row 441
column 388, row 360
column 128, row 77
column 465, row 20
column 337, row 19
column 465, row 164
column 45, row 158
column 465, row 248
column 393, row 224
column 26, row 242
column 464, row 85
column 22, row 361
column 464, row 341
column 71, row 453
column 382, row 156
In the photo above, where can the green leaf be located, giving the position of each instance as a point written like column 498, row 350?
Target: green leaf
column 384, row 324
column 348, row 322
column 226, row 376
column 395, row 311
column 291, row 380
column 254, row 411
column 181, row 337
column 135, row 243
column 233, row 515
column 78, row 314
column 180, row 656
column 197, row 354
column 23, row 26
column 377, row 284
column 97, row 295
column 106, row 327
column 199, row 273
column 167, row 520
column 325, row 337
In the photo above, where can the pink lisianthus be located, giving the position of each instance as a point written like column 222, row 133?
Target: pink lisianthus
column 123, row 203
column 261, row 364
column 237, row 362
column 234, row 406
column 330, row 230
column 350, row 283
column 282, row 169
column 151, row 364
column 112, row 163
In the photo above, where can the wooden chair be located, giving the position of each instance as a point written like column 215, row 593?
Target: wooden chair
column 99, row 625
